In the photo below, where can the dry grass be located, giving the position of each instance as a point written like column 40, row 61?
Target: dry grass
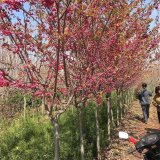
column 133, row 124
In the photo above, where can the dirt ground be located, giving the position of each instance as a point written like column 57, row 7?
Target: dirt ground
column 134, row 125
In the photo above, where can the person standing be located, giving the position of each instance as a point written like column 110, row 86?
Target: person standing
column 144, row 99
column 156, row 102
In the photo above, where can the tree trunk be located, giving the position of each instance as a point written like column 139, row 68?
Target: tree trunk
column 128, row 98
column 81, row 134
column 43, row 104
column 56, row 138
column 118, row 108
column 112, row 118
column 123, row 101
column 24, row 107
column 121, row 105
column 97, row 134
column 109, row 104
column 108, row 121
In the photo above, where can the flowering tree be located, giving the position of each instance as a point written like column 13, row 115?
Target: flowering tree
column 69, row 49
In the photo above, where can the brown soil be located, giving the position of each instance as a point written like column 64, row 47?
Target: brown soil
column 134, row 125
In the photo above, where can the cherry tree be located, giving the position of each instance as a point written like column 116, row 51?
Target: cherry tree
column 71, row 49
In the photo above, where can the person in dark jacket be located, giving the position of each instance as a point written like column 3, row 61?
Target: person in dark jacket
column 144, row 99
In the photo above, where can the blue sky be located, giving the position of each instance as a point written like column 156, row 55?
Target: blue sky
column 153, row 15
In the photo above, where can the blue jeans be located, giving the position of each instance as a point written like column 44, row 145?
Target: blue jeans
column 145, row 110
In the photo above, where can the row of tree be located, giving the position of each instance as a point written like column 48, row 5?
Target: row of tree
column 68, row 52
